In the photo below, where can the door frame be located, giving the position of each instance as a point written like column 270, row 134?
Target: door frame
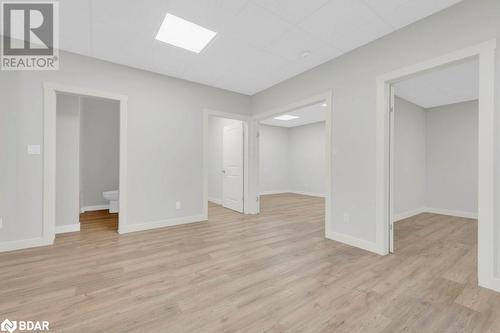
column 326, row 97
column 49, row 147
column 486, row 202
column 207, row 113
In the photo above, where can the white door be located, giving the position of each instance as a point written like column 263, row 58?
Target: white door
column 391, row 170
column 232, row 164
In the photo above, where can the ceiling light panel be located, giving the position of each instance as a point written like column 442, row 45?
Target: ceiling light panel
column 286, row 117
column 184, row 34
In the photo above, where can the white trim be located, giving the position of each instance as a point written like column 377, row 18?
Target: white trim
column 24, row 244
column 124, row 229
column 216, row 201
column 49, row 152
column 61, row 229
column 254, row 151
column 486, row 153
column 94, row 208
column 247, row 204
column 274, row 192
column 455, row 213
column 441, row 211
column 409, row 213
column 309, row 194
column 356, row 242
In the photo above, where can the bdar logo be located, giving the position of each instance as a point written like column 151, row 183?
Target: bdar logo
column 8, row 326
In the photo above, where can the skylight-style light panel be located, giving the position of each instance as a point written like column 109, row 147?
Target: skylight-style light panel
column 286, row 117
column 184, row 34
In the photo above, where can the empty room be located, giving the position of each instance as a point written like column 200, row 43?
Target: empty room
column 249, row 166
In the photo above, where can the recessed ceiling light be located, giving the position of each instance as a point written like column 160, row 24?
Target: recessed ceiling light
column 286, row 117
column 324, row 105
column 181, row 33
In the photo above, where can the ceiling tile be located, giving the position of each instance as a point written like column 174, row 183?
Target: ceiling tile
column 257, row 26
column 346, row 24
column 292, row 10
column 399, row 13
column 257, row 43
column 211, row 14
column 74, row 30
column 292, row 46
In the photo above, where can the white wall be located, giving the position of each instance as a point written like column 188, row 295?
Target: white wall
column 68, row 160
column 292, row 159
column 164, row 141
column 100, row 149
column 273, row 159
column 436, row 159
column 452, row 158
column 307, row 159
column 409, row 157
column 352, row 79
column 215, row 153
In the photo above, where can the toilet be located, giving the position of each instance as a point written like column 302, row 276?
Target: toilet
column 113, row 198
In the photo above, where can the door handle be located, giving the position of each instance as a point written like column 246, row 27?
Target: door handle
column 223, row 171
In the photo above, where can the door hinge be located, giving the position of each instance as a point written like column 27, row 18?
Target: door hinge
column 390, row 226
column 257, row 198
column 258, row 135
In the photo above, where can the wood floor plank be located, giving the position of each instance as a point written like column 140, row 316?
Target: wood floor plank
column 273, row 272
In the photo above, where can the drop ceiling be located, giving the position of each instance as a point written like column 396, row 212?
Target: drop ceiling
column 448, row 85
column 259, row 43
column 306, row 115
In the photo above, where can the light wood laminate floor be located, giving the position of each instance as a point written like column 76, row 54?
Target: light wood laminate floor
column 269, row 273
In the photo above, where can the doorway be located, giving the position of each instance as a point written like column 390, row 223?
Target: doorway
column 51, row 172
column 225, row 162
column 385, row 201
column 315, row 109
column 87, row 159
column 434, row 140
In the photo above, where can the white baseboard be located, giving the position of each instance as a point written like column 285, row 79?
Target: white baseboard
column 310, row 194
column 161, row 224
column 274, row 192
column 456, row 213
column 61, row 229
column 93, row 208
column 24, row 244
column 356, row 242
column 411, row 213
column 215, row 201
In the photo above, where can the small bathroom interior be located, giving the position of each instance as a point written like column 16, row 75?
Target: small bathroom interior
column 87, row 159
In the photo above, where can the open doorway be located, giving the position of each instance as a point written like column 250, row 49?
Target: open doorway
column 225, row 150
column 87, row 163
column 485, row 55
column 435, row 156
column 292, row 160
column 62, row 206
column 294, row 151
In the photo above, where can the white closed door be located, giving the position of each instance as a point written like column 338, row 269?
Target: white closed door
column 232, row 164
